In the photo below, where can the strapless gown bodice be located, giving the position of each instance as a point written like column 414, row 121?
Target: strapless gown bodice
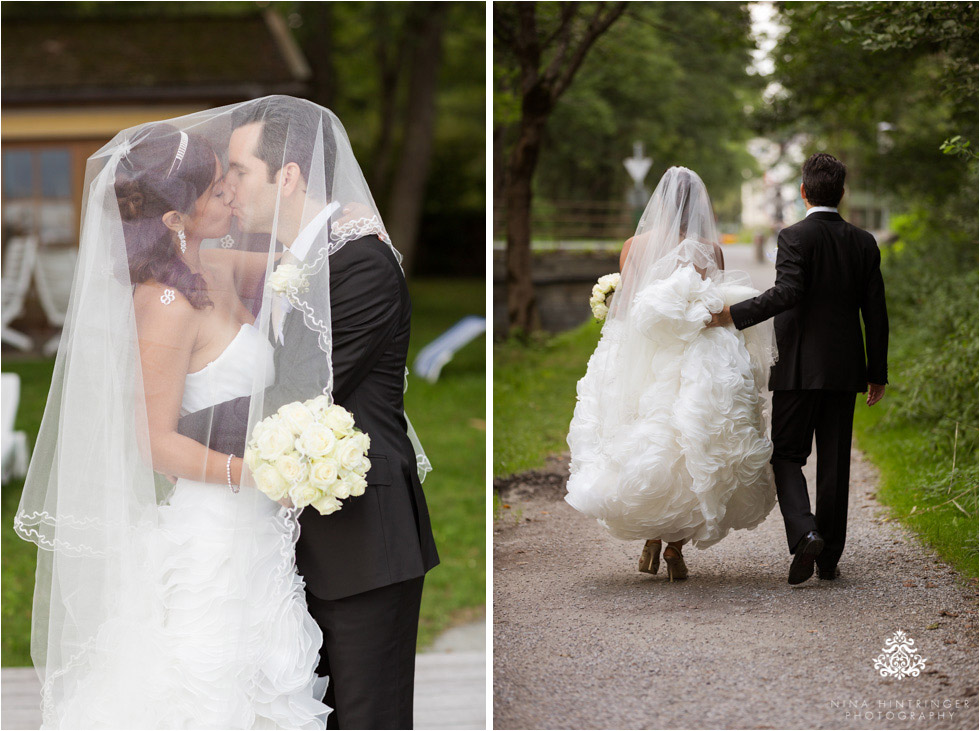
column 212, row 631
column 244, row 367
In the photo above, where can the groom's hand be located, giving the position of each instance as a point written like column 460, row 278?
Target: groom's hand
column 721, row 319
column 875, row 393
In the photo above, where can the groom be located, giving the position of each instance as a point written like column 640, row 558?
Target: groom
column 827, row 273
column 364, row 565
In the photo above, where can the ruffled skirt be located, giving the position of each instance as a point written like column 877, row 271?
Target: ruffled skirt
column 211, row 632
column 669, row 435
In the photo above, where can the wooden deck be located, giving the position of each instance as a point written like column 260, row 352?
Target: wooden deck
column 450, row 693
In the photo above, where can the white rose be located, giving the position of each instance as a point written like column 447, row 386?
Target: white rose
column 357, row 485
column 608, row 282
column 341, row 489
column 295, row 416
column 269, row 481
column 316, row 440
column 600, row 312
column 326, row 504
column 287, row 276
column 363, row 441
column 339, row 419
column 303, row 494
column 272, row 440
column 349, row 453
column 324, row 473
column 293, row 468
column 318, row 405
column 364, row 467
column 252, row 459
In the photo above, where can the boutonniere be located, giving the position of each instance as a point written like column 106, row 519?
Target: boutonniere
column 289, row 280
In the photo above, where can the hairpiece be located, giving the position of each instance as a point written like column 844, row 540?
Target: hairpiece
column 181, row 149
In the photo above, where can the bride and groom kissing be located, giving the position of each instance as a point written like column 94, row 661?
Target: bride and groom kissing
column 669, row 440
column 198, row 601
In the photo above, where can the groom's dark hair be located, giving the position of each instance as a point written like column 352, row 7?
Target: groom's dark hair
column 289, row 132
column 823, row 179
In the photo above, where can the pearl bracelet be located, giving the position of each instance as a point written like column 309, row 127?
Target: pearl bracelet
column 234, row 488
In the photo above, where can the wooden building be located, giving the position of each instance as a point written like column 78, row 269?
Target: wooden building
column 69, row 85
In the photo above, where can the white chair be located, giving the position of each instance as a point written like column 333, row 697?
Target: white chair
column 430, row 360
column 15, row 453
column 53, row 274
column 19, row 256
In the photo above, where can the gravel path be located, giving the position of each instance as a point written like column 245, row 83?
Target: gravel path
column 581, row 639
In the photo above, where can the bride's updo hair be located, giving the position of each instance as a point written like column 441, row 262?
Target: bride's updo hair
column 151, row 180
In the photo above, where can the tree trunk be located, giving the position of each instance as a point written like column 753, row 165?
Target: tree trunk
column 390, row 45
column 318, row 49
column 522, row 311
column 408, row 190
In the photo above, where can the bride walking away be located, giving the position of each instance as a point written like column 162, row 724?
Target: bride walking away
column 669, row 438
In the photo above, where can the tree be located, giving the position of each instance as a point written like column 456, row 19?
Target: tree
column 408, row 186
column 671, row 75
column 383, row 67
column 547, row 43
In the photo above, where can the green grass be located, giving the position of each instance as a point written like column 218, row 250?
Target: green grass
column 534, row 395
column 18, row 556
column 918, row 482
column 449, row 418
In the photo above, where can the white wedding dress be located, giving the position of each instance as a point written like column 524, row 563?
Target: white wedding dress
column 684, row 453
column 212, row 631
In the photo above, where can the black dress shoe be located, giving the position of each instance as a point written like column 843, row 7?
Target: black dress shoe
column 827, row 574
column 807, row 551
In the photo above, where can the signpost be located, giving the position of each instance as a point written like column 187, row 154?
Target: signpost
column 638, row 166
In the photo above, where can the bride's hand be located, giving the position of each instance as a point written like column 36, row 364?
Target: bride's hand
column 286, row 502
column 354, row 211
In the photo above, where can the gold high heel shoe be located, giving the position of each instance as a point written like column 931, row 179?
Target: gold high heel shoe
column 650, row 557
column 676, row 568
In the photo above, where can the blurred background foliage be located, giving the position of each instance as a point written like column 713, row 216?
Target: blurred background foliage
column 670, row 74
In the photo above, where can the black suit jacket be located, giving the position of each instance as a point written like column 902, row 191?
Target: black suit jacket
column 827, row 273
column 383, row 536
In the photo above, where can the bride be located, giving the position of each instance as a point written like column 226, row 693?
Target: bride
column 669, row 435
column 166, row 592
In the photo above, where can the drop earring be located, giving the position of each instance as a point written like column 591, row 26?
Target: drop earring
column 183, row 241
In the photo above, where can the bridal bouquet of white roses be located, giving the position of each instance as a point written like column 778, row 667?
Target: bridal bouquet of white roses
column 310, row 452
column 607, row 284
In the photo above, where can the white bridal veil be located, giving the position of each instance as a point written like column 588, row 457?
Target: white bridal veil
column 119, row 428
column 677, row 230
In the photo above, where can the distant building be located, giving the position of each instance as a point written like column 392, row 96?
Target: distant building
column 69, row 85
column 773, row 201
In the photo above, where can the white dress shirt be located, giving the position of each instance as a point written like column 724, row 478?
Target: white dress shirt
column 820, row 209
column 300, row 249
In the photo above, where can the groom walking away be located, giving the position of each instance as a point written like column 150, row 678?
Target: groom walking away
column 827, row 271
column 364, row 565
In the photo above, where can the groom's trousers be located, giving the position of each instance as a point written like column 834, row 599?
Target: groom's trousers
column 369, row 653
column 798, row 417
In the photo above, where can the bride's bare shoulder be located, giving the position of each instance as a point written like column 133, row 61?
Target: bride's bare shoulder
column 625, row 252
column 158, row 303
